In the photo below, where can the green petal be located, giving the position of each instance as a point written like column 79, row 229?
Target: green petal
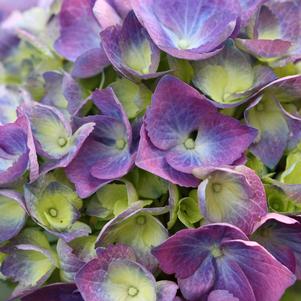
column 134, row 97
column 189, row 212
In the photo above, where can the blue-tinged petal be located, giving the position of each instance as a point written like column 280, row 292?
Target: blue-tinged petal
column 14, row 150
column 78, row 171
column 221, row 295
column 57, row 291
column 79, row 29
column 9, row 101
column 12, row 212
column 235, row 196
column 201, row 281
column 130, row 49
column 188, row 29
column 248, row 9
column 265, row 115
column 216, row 135
column 90, row 63
column 231, row 278
column 168, row 121
column 79, row 38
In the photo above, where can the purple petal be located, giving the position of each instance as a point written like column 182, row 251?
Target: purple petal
column 130, row 49
column 248, row 9
column 90, row 63
column 166, row 290
column 234, row 196
column 189, row 32
column 268, row 278
column 57, row 291
column 221, row 295
column 167, row 121
column 216, row 134
column 232, row 278
column 265, row 115
column 264, row 48
column 79, row 30
column 78, row 171
column 281, row 236
column 14, row 151
column 201, row 281
column 183, row 253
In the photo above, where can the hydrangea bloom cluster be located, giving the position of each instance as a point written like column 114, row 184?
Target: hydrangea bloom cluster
column 150, row 150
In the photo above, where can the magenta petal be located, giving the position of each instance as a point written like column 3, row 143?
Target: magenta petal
column 121, row 42
column 90, row 63
column 267, row 276
column 166, row 290
column 281, row 236
column 196, row 29
column 264, row 48
column 185, row 251
column 240, row 200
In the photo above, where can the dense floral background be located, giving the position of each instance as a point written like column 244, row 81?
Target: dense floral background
column 150, row 150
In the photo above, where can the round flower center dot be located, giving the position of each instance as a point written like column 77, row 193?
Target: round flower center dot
column 62, row 141
column 52, row 212
column 183, row 44
column 217, row 187
column 189, row 143
column 216, row 252
column 133, row 291
column 120, row 143
column 141, row 220
column 145, row 70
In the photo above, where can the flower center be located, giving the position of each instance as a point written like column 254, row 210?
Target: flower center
column 216, row 252
column 120, row 144
column 62, row 141
column 217, row 187
column 52, row 212
column 141, row 220
column 189, row 143
column 183, row 44
column 133, row 291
